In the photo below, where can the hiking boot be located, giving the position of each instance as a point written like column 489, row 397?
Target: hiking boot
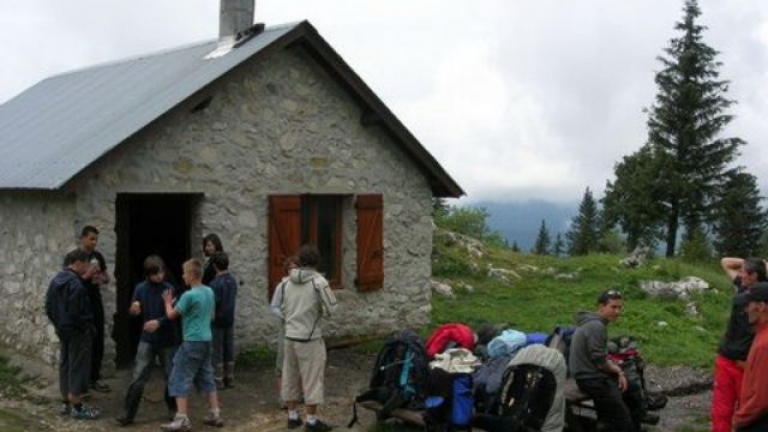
column 65, row 409
column 213, row 420
column 318, row 426
column 123, row 420
column 179, row 424
column 84, row 413
column 294, row 423
column 100, row 386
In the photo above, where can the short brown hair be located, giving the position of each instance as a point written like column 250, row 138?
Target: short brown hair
column 609, row 295
column 153, row 265
column 309, row 256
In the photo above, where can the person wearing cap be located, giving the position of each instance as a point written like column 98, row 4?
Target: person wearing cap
column 752, row 412
column 616, row 403
column 734, row 346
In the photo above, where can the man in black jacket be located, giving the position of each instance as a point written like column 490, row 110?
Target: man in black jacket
column 616, row 402
column 68, row 307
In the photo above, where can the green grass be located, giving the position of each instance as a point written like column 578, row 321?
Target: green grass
column 540, row 300
column 11, row 379
column 13, row 422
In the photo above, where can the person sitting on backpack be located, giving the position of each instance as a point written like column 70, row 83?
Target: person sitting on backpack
column 597, row 376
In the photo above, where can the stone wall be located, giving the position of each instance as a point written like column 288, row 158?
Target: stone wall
column 279, row 126
column 36, row 231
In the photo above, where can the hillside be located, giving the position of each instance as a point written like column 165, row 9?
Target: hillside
column 536, row 293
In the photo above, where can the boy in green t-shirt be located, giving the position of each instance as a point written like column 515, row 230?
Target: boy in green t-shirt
column 192, row 362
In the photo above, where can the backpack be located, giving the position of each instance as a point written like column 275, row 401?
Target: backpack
column 399, row 375
column 450, row 404
column 487, row 382
column 623, row 351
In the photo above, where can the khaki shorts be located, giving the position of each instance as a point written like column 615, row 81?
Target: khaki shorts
column 304, row 371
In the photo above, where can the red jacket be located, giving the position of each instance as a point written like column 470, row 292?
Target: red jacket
column 753, row 401
column 459, row 334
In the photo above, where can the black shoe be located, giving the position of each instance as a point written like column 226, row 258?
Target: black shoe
column 124, row 420
column 294, row 423
column 318, row 426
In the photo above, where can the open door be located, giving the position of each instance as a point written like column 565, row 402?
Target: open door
column 147, row 224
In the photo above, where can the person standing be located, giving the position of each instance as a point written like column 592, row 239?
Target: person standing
column 68, row 308
column 211, row 245
column 307, row 298
column 94, row 278
column 752, row 412
column 616, row 403
column 192, row 361
column 224, row 289
column 734, row 346
column 158, row 338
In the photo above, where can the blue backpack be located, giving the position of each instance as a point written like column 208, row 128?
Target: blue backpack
column 450, row 402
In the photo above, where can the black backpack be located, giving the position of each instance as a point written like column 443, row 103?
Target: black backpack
column 525, row 398
column 399, row 375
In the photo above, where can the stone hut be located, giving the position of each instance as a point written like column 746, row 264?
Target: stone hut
column 265, row 137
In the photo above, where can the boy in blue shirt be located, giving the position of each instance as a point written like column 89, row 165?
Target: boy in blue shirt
column 192, row 362
column 158, row 338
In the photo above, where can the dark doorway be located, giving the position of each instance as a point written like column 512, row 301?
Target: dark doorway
column 147, row 224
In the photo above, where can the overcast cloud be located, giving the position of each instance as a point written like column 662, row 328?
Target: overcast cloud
column 517, row 99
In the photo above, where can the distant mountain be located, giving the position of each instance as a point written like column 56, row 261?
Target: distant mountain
column 520, row 220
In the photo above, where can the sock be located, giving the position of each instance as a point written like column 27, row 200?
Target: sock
column 180, row 416
column 293, row 415
column 216, row 412
column 311, row 419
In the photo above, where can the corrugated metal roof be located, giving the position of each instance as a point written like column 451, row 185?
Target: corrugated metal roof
column 58, row 127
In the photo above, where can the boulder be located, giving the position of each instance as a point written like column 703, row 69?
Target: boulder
column 674, row 290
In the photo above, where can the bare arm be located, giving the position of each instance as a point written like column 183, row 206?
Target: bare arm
column 731, row 266
column 170, row 312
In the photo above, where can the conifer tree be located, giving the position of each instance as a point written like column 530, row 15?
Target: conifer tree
column 685, row 128
column 741, row 221
column 583, row 234
column 542, row 240
column 559, row 247
column 515, row 247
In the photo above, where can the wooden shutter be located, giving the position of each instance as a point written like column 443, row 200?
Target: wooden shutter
column 284, row 234
column 370, row 242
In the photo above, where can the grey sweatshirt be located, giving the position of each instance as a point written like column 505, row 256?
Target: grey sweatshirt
column 589, row 346
column 307, row 298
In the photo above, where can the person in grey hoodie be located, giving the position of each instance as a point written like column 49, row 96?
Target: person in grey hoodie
column 306, row 300
column 616, row 404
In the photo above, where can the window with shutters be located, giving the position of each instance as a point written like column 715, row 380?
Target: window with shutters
column 295, row 220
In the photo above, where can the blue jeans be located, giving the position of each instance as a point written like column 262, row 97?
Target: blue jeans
column 192, row 365
column 145, row 358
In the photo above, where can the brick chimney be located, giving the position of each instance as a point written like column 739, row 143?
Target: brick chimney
column 235, row 18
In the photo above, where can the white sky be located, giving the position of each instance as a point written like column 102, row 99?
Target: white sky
column 517, row 99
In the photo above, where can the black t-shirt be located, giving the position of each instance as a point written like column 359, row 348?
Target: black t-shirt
column 739, row 333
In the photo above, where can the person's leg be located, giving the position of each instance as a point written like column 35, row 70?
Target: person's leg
column 609, row 404
column 312, row 358
column 166, row 361
column 79, row 375
column 229, row 356
column 64, row 375
column 97, row 353
column 279, row 365
column 145, row 356
column 179, row 385
column 291, row 383
column 217, row 360
column 633, row 399
column 725, row 393
column 206, row 384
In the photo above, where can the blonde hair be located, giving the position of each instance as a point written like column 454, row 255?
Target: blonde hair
column 194, row 267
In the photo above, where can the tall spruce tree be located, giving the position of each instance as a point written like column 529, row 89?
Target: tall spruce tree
column 684, row 129
column 583, row 234
column 542, row 240
column 740, row 222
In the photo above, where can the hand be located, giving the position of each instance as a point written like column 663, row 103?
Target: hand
column 151, row 325
column 135, row 308
column 623, row 383
column 168, row 296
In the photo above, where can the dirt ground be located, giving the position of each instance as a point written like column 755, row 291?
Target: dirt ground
column 253, row 404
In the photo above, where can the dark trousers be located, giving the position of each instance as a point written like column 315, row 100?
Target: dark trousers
column 74, row 363
column 97, row 353
column 761, row 425
column 622, row 411
column 145, row 359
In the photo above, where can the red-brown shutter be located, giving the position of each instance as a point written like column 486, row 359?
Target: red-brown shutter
column 370, row 242
column 284, row 234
